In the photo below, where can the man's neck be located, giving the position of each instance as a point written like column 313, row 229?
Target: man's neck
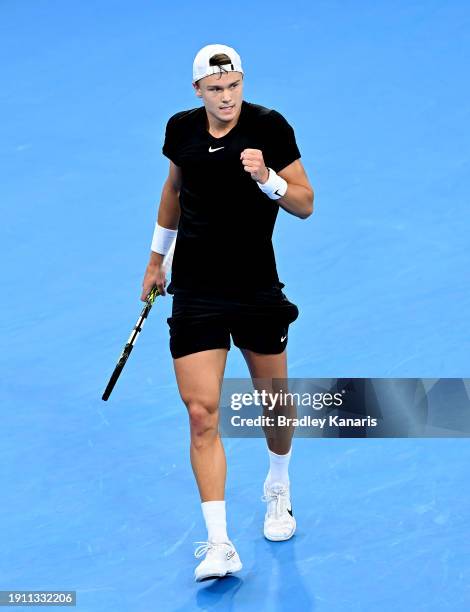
column 219, row 128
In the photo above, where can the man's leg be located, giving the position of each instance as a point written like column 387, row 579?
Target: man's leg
column 279, row 521
column 199, row 377
column 263, row 369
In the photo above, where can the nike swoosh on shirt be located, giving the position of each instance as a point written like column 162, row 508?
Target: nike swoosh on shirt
column 283, row 338
column 211, row 150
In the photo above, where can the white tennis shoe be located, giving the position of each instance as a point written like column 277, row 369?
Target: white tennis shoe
column 221, row 559
column 279, row 522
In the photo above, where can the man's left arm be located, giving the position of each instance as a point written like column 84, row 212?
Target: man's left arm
column 298, row 199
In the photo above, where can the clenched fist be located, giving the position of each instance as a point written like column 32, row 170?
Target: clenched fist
column 253, row 162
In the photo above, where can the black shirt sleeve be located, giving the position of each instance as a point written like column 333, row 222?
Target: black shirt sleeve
column 170, row 144
column 281, row 146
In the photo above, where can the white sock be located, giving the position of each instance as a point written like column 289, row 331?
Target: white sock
column 216, row 522
column 278, row 467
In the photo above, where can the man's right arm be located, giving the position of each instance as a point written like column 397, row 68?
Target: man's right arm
column 168, row 216
column 169, row 210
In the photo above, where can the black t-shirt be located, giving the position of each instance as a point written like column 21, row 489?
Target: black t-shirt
column 224, row 242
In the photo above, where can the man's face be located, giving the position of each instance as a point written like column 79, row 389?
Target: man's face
column 222, row 94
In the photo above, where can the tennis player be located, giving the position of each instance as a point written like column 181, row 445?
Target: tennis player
column 232, row 165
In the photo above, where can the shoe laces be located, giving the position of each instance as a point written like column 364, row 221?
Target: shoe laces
column 279, row 495
column 206, row 547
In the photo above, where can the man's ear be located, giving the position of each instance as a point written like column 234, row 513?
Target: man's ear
column 197, row 90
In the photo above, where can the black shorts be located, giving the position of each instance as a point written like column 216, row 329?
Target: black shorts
column 258, row 322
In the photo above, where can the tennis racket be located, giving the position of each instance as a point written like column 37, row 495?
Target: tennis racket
column 167, row 261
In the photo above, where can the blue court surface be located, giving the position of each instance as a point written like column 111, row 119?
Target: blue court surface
column 99, row 497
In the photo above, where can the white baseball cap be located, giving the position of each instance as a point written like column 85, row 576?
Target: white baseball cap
column 202, row 67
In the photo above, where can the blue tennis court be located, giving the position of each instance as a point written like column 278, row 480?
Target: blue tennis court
column 100, row 497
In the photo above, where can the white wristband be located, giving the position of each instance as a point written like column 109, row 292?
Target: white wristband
column 162, row 239
column 275, row 187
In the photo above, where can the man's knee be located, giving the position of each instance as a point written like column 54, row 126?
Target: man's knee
column 203, row 418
